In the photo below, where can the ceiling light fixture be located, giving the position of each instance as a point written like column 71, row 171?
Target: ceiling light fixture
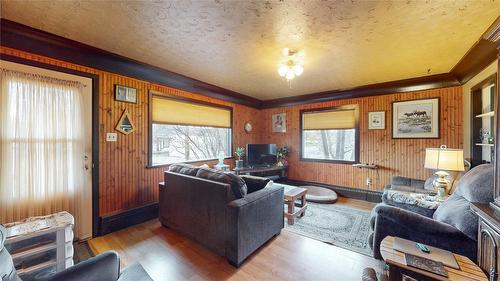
column 292, row 66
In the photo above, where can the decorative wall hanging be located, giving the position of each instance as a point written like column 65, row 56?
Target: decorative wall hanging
column 125, row 94
column 415, row 119
column 376, row 120
column 125, row 124
column 279, row 123
column 248, row 127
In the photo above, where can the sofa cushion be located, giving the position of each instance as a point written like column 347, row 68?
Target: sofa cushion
column 185, row 169
column 255, row 183
column 238, row 186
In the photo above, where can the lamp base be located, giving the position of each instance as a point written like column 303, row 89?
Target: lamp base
column 441, row 184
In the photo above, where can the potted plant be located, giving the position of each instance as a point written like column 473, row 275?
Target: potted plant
column 282, row 154
column 240, row 152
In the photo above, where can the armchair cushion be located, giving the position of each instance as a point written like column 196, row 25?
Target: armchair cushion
column 475, row 186
column 103, row 267
column 238, row 185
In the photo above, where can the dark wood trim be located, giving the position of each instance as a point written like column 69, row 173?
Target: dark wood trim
column 95, row 128
column 25, row 38
column 356, row 133
column 400, row 86
column 480, row 55
column 496, row 163
column 438, row 124
column 116, row 221
column 349, row 192
column 157, row 94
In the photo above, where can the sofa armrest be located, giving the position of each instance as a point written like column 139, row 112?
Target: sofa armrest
column 103, row 267
column 252, row 221
column 392, row 221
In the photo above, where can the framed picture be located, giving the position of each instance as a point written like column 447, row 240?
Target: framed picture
column 279, row 123
column 376, row 120
column 125, row 94
column 415, row 119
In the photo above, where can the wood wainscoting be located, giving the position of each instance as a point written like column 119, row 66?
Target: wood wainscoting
column 404, row 157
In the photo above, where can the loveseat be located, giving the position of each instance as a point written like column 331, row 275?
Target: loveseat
column 452, row 226
column 231, row 215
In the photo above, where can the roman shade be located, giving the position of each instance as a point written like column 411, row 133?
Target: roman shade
column 329, row 120
column 177, row 112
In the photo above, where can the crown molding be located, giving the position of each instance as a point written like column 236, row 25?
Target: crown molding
column 25, row 38
column 399, row 86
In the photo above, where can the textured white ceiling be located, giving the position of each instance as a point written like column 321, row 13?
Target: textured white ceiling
column 237, row 44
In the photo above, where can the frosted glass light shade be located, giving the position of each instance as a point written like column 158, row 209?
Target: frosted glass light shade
column 282, row 69
column 444, row 159
column 290, row 75
column 298, row 69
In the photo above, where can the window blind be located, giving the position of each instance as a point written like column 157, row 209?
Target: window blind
column 329, row 120
column 175, row 112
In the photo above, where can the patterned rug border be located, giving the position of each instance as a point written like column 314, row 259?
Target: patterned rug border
column 318, row 238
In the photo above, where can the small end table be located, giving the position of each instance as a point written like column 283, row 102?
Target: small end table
column 292, row 194
column 397, row 266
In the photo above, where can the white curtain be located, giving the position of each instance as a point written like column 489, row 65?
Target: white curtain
column 41, row 154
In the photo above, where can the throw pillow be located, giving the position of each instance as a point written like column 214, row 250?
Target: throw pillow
column 185, row 169
column 255, row 183
column 238, row 186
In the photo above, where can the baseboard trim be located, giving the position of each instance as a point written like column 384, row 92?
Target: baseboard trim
column 113, row 222
column 349, row 192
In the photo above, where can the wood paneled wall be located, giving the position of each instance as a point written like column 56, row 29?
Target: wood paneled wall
column 125, row 182
column 403, row 157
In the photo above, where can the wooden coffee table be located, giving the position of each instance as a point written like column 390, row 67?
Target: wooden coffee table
column 397, row 266
column 292, row 195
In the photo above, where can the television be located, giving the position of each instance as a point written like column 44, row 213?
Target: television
column 261, row 155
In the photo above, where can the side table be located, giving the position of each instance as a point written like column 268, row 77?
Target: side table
column 468, row 271
column 292, row 194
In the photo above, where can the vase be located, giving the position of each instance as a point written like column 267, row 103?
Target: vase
column 239, row 164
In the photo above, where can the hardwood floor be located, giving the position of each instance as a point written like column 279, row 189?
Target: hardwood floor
column 167, row 255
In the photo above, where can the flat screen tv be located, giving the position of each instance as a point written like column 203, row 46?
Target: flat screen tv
column 261, row 155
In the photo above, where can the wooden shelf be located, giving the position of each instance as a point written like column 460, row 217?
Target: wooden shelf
column 37, row 267
column 485, row 144
column 486, row 114
column 33, row 251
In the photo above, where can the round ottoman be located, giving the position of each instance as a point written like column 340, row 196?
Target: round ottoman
column 320, row 194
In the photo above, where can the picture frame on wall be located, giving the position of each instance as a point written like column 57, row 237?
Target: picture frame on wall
column 376, row 120
column 125, row 94
column 415, row 119
column 279, row 123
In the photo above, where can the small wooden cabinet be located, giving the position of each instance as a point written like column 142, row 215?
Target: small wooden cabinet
column 488, row 252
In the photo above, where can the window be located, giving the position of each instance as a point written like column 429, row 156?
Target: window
column 330, row 134
column 188, row 131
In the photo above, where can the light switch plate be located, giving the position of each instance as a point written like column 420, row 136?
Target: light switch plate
column 111, row 136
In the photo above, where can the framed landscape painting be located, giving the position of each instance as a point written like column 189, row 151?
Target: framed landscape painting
column 415, row 119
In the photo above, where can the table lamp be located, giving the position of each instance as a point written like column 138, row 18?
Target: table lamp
column 443, row 159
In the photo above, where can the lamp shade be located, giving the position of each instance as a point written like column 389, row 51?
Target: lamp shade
column 444, row 159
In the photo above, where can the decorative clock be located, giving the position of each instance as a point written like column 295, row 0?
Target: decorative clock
column 248, row 127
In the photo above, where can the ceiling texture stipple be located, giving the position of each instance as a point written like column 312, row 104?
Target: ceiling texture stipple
column 237, row 44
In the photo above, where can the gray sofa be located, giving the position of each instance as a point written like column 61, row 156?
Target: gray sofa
column 103, row 267
column 452, row 226
column 231, row 215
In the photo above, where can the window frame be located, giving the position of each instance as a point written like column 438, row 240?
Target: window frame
column 187, row 100
column 354, row 107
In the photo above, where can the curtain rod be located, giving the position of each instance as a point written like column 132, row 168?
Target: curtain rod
column 43, row 78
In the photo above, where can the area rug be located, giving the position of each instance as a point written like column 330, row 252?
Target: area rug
column 341, row 226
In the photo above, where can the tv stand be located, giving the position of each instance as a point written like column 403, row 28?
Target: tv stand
column 272, row 172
